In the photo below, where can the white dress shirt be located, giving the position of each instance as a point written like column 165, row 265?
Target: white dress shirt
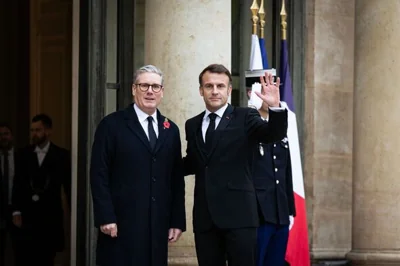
column 41, row 152
column 10, row 171
column 142, row 116
column 206, row 120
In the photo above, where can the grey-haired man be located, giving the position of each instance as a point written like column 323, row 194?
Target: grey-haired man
column 137, row 179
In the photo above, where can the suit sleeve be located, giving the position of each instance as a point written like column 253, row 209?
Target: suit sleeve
column 20, row 188
column 289, row 187
column 267, row 132
column 178, row 214
column 66, row 160
column 100, row 169
column 188, row 159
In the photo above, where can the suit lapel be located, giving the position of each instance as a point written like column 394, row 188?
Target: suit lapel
column 47, row 156
column 33, row 157
column 199, row 137
column 134, row 125
column 163, row 131
column 225, row 120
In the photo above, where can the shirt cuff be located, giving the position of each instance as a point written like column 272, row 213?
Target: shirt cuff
column 16, row 213
column 277, row 109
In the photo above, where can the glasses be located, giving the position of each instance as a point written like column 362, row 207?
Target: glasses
column 145, row 87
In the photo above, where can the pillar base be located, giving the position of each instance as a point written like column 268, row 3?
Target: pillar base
column 183, row 261
column 373, row 258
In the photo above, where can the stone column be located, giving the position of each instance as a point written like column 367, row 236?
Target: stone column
column 376, row 186
column 328, row 126
column 183, row 37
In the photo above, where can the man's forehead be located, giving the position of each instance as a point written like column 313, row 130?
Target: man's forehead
column 215, row 78
column 37, row 124
column 148, row 77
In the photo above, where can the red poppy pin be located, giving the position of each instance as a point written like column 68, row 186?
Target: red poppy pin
column 166, row 123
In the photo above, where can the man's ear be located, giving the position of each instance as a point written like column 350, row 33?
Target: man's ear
column 229, row 90
column 133, row 89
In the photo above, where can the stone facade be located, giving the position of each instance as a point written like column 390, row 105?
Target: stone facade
column 350, row 111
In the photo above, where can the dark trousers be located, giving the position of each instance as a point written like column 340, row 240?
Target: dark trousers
column 3, row 243
column 37, row 249
column 216, row 246
column 271, row 244
column 10, row 231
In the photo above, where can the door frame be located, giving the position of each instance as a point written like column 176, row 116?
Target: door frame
column 89, row 86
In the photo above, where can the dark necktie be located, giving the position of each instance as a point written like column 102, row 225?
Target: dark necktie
column 152, row 133
column 210, row 131
column 6, row 175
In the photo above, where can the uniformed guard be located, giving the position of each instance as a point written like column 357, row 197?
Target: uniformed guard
column 274, row 188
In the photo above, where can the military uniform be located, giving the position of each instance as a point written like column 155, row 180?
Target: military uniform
column 272, row 175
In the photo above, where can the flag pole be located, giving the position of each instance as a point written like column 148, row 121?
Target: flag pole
column 283, row 20
column 261, row 13
column 254, row 10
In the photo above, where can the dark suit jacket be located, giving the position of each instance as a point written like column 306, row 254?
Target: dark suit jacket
column 4, row 203
column 43, row 218
column 273, row 182
column 224, row 192
column 140, row 189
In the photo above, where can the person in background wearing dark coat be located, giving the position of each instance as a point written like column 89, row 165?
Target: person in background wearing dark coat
column 272, row 175
column 220, row 142
column 42, row 174
column 137, row 179
column 8, row 156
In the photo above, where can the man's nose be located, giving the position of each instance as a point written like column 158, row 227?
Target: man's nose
column 150, row 91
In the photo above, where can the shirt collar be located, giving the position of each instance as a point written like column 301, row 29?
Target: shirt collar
column 142, row 116
column 45, row 148
column 220, row 112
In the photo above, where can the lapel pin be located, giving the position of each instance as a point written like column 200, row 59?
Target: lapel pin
column 166, row 123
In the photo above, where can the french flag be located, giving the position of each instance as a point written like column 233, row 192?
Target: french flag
column 297, row 253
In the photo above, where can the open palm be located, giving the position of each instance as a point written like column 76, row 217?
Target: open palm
column 270, row 91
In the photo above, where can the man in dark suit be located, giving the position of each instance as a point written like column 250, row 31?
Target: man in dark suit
column 42, row 171
column 220, row 142
column 272, row 173
column 7, row 166
column 137, row 179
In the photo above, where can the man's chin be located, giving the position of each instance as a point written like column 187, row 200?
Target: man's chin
column 216, row 105
column 151, row 106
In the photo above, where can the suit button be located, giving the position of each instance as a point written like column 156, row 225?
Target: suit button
column 277, row 182
column 154, row 159
column 153, row 198
column 274, row 145
column 276, row 169
column 154, row 179
column 274, row 157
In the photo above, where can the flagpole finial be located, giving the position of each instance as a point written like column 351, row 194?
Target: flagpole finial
column 254, row 10
column 283, row 20
column 261, row 13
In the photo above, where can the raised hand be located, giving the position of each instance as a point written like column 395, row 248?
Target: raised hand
column 270, row 91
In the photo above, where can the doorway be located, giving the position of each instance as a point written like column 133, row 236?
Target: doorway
column 36, row 65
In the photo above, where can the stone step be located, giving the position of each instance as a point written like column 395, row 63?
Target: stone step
column 332, row 263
